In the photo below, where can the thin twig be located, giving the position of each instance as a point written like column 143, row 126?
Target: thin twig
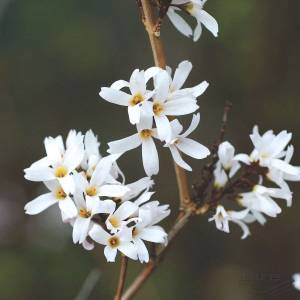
column 122, row 277
column 88, row 285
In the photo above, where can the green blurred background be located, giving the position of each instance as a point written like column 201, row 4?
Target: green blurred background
column 54, row 57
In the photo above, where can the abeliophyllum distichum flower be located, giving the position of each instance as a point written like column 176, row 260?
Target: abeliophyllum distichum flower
column 151, row 115
column 94, row 199
column 262, row 177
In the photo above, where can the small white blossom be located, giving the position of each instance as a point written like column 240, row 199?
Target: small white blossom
column 223, row 217
column 180, row 142
column 195, row 9
column 296, row 281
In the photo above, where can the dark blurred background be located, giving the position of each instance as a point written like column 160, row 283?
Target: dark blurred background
column 54, row 57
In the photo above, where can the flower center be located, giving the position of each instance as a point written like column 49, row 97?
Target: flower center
column 60, row 194
column 60, row 172
column 157, row 108
column 189, row 7
column 91, row 191
column 84, row 213
column 114, row 221
column 114, row 241
column 136, row 99
column 117, row 200
column 146, row 134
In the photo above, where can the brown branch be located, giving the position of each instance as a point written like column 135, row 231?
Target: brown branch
column 122, row 277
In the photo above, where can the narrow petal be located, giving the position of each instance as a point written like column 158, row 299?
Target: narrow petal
column 181, row 106
column 125, row 210
column 67, row 206
column 178, row 159
column 153, row 234
column 129, row 250
column 119, row 84
column 199, row 89
column 113, row 190
column 142, row 251
column 163, row 127
column 180, row 24
column 181, row 74
column 209, row 22
column 39, row 174
column 115, row 96
column 193, row 148
column 80, row 229
column 99, row 235
column 125, row 144
column 194, row 124
column 39, row 204
column 110, row 253
column 150, row 157
column 134, row 113
column 74, row 156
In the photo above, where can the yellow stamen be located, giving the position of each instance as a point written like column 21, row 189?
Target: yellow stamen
column 136, row 99
column 157, row 108
column 60, row 194
column 114, row 241
column 91, row 191
column 146, row 134
column 61, row 172
column 84, row 213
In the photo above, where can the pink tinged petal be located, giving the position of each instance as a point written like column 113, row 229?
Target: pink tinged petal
column 181, row 106
column 125, row 144
column 209, row 22
column 119, row 84
column 113, row 190
column 194, row 124
column 88, row 246
column 39, row 174
column 54, row 149
column 150, row 157
column 80, row 229
column 199, row 89
column 193, row 148
column 153, row 234
column 99, row 235
column 129, row 250
column 115, row 96
column 125, row 210
column 110, row 253
column 179, row 23
column 134, row 113
column 142, row 251
column 74, row 156
column 39, row 204
column 181, row 74
column 284, row 167
column 163, row 127
column 68, row 207
column 178, row 159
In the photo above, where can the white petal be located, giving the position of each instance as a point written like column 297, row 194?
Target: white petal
column 193, row 148
column 199, row 89
column 125, row 144
column 178, row 159
column 142, row 251
column 39, row 174
column 125, row 210
column 54, row 149
column 143, row 198
column 181, row 74
column 80, row 229
column 110, row 253
column 129, row 250
column 134, row 113
column 243, row 158
column 209, row 22
column 68, row 184
column 180, row 24
column 153, row 234
column 181, row 106
column 137, row 82
column 163, row 127
column 197, row 32
column 119, row 84
column 285, row 167
column 150, row 157
column 74, row 156
column 115, row 96
column 39, row 204
column 151, row 72
column 68, row 207
column 88, row 246
column 113, row 190
column 162, row 83
column 99, row 235
column 194, row 124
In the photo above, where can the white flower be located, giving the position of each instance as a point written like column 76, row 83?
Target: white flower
column 137, row 100
column 57, row 195
column 86, row 209
column 180, row 142
column 120, row 217
column 120, row 241
column 269, row 152
column 227, row 166
column 144, row 138
column 260, row 199
column 101, row 183
column 195, row 9
column 169, row 100
column 296, row 282
column 59, row 163
column 223, row 217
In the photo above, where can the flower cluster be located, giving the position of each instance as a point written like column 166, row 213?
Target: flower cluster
column 264, row 178
column 195, row 9
column 158, row 106
column 93, row 198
